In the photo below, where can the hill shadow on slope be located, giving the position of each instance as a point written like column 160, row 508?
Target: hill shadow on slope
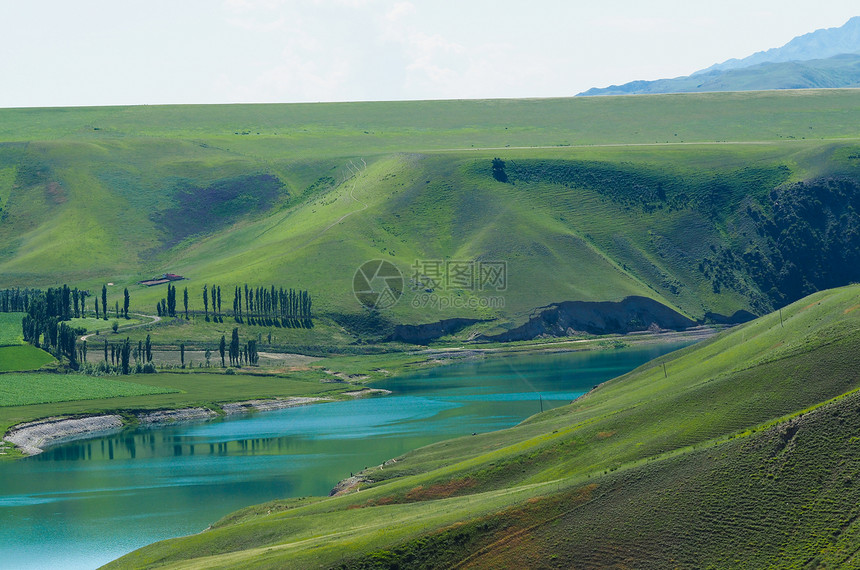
column 205, row 209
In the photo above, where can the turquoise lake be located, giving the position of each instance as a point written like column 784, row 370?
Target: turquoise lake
column 84, row 503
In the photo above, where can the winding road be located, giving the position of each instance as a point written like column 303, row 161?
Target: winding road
column 154, row 320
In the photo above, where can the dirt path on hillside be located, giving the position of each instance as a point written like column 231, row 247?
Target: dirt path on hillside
column 356, row 172
column 613, row 145
column 154, row 320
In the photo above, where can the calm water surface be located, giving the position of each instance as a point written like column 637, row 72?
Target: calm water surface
column 82, row 504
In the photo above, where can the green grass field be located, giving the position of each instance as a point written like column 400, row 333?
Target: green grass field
column 14, row 355
column 665, row 196
column 23, row 358
column 10, row 329
column 709, row 461
column 28, row 389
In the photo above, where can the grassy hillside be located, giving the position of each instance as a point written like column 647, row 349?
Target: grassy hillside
column 605, row 198
column 737, row 452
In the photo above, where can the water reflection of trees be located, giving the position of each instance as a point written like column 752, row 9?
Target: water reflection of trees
column 130, row 446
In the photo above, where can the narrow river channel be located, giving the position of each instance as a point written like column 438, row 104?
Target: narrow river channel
column 84, row 503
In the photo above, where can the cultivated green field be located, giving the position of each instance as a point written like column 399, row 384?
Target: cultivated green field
column 27, row 389
column 708, row 461
column 14, row 355
column 669, row 197
column 10, row 329
column 23, row 358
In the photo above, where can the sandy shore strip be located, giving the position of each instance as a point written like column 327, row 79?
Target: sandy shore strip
column 268, row 405
column 367, row 392
column 175, row 416
column 32, row 437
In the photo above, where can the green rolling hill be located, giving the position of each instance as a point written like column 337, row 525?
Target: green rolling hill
column 737, row 452
column 694, row 201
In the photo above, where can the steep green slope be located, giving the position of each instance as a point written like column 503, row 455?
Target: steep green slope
column 704, row 457
column 302, row 195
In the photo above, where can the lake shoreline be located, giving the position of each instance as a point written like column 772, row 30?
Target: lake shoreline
column 31, row 438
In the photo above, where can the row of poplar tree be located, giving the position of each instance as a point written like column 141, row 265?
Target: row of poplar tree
column 44, row 325
column 117, row 356
column 267, row 306
column 270, row 305
column 16, row 300
column 62, row 302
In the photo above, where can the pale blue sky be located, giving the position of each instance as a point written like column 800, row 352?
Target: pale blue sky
column 107, row 52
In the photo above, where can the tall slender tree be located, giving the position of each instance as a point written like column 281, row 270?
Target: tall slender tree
column 222, row 347
column 185, row 301
column 104, row 302
column 125, row 353
column 171, row 300
column 206, row 303
column 125, row 302
column 214, row 306
column 234, row 346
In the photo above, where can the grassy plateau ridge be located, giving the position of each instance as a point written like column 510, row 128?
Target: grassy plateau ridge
column 707, row 203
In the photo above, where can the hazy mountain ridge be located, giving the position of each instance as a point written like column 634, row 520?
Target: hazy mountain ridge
column 827, row 58
column 820, row 44
column 840, row 71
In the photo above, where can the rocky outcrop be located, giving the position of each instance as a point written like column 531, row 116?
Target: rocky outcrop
column 347, row 485
column 422, row 334
column 607, row 317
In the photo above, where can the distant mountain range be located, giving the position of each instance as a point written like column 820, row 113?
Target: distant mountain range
column 827, row 58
